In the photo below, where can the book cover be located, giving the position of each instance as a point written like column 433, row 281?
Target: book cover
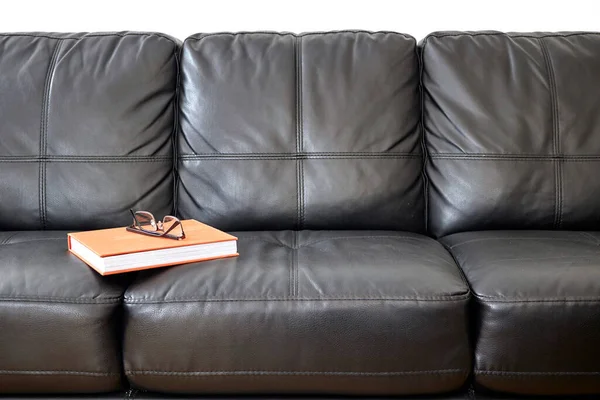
column 118, row 242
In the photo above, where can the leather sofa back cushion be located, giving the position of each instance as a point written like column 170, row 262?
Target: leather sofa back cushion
column 512, row 125
column 86, row 123
column 318, row 131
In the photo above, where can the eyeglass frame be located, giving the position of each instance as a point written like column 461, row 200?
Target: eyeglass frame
column 160, row 232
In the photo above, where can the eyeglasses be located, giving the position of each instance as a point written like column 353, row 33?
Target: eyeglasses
column 145, row 223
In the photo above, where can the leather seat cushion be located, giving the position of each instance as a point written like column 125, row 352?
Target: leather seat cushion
column 538, row 309
column 344, row 312
column 58, row 318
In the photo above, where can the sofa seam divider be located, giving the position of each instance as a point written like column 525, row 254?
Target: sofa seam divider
column 57, row 372
column 299, row 145
column 43, row 149
column 485, row 299
column 461, row 297
column 89, row 159
column 60, row 300
column 178, row 53
column 555, row 132
column 342, row 373
column 542, row 373
column 301, row 124
column 500, row 157
column 308, row 154
column 296, row 157
column 420, row 51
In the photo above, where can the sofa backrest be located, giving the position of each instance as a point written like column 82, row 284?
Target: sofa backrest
column 512, row 127
column 317, row 131
column 86, row 123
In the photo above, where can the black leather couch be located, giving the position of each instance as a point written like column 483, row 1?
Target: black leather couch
column 414, row 219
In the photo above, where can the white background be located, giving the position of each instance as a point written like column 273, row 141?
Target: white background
column 182, row 18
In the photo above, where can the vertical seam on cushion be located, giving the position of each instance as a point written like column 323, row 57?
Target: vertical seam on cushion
column 297, row 114
column 299, row 134
column 424, row 151
column 44, row 131
column 555, row 135
column 301, row 123
column 175, row 135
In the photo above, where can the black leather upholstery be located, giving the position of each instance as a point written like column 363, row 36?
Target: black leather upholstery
column 318, row 131
column 537, row 321
column 59, row 320
column 513, row 130
column 303, row 312
column 311, row 146
column 86, row 122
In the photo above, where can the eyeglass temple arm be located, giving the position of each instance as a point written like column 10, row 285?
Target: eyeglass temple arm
column 137, row 223
column 175, row 225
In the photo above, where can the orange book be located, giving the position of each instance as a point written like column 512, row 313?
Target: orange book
column 116, row 250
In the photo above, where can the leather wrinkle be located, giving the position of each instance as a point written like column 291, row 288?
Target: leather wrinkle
column 588, row 236
column 44, row 130
column 555, row 132
column 7, row 239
